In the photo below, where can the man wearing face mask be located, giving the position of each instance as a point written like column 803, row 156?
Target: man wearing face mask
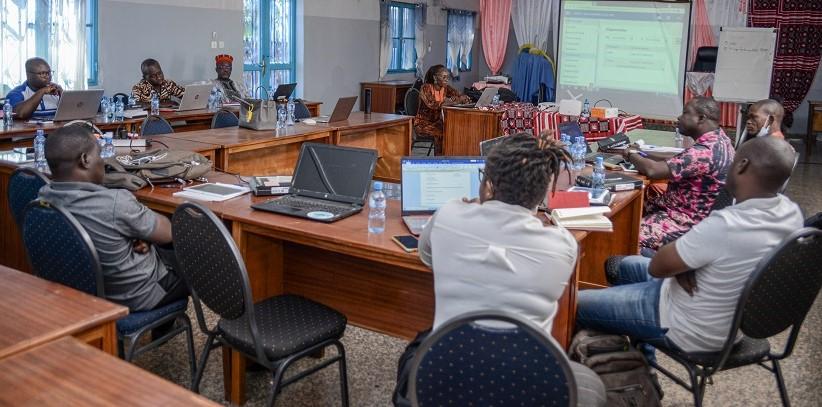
column 764, row 119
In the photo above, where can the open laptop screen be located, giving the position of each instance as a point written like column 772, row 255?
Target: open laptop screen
column 337, row 173
column 428, row 183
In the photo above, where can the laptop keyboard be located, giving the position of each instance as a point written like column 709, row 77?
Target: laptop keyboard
column 309, row 206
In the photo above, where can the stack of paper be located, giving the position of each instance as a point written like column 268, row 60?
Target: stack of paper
column 212, row 192
column 591, row 218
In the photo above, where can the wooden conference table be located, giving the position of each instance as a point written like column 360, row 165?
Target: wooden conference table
column 36, row 311
column 68, row 372
column 368, row 277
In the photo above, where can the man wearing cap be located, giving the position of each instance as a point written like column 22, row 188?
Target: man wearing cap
column 231, row 91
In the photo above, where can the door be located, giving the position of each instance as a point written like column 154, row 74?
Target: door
column 269, row 43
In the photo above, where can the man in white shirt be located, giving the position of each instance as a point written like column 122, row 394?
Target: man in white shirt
column 496, row 255
column 686, row 295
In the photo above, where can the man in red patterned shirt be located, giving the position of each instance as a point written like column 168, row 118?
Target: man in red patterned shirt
column 695, row 176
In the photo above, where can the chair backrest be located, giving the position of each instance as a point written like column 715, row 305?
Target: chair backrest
column 155, row 125
column 224, row 118
column 412, row 102
column 814, row 221
column 301, row 110
column 122, row 97
column 466, row 362
column 24, row 185
column 705, row 59
column 60, row 249
column 723, row 199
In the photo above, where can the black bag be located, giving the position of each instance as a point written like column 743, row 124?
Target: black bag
column 154, row 167
column 622, row 369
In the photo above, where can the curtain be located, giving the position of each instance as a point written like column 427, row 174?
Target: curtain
column 532, row 22
column 701, row 33
column 726, row 13
column 798, row 45
column 495, row 15
column 420, row 17
column 460, row 37
column 385, row 38
column 52, row 29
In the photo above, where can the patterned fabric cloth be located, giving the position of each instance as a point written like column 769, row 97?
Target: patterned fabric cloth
column 142, row 91
column 230, row 90
column 517, row 117
column 592, row 129
column 697, row 175
column 429, row 114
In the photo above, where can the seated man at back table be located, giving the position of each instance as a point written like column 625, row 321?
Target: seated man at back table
column 765, row 119
column 495, row 254
column 231, row 91
column 695, row 176
column 686, row 295
column 38, row 96
column 155, row 81
column 137, row 273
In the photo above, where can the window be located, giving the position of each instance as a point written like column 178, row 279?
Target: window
column 63, row 32
column 270, row 44
column 459, row 40
column 403, row 53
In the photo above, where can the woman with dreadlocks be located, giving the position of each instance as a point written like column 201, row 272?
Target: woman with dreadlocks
column 495, row 254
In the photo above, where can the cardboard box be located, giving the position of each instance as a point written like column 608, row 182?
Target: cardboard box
column 604, row 112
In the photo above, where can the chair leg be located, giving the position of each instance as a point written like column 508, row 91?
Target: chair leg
column 198, row 374
column 343, row 374
column 192, row 359
column 275, row 387
column 697, row 387
column 430, row 147
column 780, row 381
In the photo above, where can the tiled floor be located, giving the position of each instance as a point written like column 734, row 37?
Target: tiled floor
column 372, row 357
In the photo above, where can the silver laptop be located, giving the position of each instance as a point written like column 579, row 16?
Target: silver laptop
column 341, row 111
column 430, row 182
column 78, row 104
column 485, row 99
column 195, row 97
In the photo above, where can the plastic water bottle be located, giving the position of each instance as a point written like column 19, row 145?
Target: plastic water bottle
column 8, row 117
column 290, row 110
column 281, row 116
column 105, row 108
column 119, row 109
column 578, row 150
column 586, row 109
column 155, row 104
column 598, row 176
column 108, row 147
column 677, row 138
column 131, row 99
column 218, row 100
column 270, row 93
column 40, row 151
column 376, row 209
column 495, row 101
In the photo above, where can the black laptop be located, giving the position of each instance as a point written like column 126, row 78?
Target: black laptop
column 329, row 183
column 284, row 90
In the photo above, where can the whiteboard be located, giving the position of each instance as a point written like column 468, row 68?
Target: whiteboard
column 744, row 63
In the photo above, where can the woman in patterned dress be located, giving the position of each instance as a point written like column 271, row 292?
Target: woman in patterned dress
column 434, row 94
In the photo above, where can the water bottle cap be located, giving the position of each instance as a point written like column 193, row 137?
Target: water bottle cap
column 378, row 185
column 40, row 132
column 599, row 160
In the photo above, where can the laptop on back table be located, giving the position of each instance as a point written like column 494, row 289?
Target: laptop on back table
column 195, row 97
column 329, row 183
column 341, row 110
column 430, row 182
column 485, row 99
column 78, row 104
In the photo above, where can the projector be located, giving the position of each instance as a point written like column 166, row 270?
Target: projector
column 604, row 112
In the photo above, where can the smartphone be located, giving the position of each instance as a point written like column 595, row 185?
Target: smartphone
column 407, row 242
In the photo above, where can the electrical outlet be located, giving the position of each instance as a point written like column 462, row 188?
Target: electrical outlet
column 213, row 44
column 222, row 44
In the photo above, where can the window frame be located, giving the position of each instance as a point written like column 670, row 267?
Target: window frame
column 447, row 42
column 265, row 9
column 93, row 44
column 401, row 6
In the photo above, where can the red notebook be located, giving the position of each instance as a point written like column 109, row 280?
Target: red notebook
column 565, row 199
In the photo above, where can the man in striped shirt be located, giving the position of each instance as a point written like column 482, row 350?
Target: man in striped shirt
column 38, row 96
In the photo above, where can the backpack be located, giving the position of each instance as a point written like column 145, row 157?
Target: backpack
column 622, row 369
column 133, row 172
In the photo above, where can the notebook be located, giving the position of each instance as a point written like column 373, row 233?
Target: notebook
column 430, row 182
column 591, row 218
column 329, row 183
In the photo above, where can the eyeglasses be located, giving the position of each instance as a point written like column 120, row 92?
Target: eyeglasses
column 481, row 174
column 41, row 73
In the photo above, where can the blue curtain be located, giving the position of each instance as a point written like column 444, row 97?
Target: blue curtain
column 532, row 73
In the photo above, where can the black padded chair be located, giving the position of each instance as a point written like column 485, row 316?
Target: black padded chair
column 24, row 185
column 778, row 295
column 410, row 105
column 705, row 59
column 723, row 200
column 155, row 125
column 814, row 221
column 275, row 332
column 466, row 363
column 301, row 110
column 60, row 250
column 224, row 118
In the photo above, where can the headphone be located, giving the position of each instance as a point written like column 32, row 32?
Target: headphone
column 90, row 125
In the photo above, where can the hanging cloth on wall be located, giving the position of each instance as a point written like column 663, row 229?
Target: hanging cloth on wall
column 534, row 73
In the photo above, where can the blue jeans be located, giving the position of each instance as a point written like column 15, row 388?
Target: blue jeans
column 630, row 307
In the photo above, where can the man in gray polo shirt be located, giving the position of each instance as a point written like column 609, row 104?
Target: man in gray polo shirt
column 136, row 272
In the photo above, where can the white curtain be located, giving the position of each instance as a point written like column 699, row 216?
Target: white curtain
column 726, row 13
column 67, row 45
column 385, row 38
column 532, row 21
column 461, row 33
column 420, row 17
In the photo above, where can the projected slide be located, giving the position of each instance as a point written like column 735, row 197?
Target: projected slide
column 631, row 53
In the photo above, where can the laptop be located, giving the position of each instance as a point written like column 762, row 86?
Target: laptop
column 341, row 111
column 284, row 90
column 571, row 129
column 487, row 145
column 329, row 183
column 611, row 161
column 485, row 99
column 194, row 98
column 78, row 104
column 430, row 182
